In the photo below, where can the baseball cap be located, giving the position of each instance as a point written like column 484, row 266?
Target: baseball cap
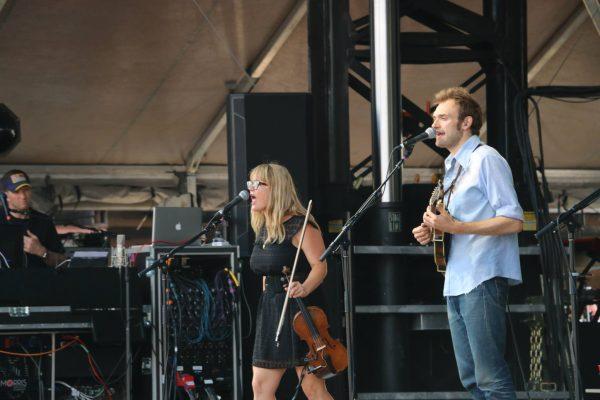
column 15, row 180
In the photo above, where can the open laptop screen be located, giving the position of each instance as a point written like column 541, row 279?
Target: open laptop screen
column 175, row 225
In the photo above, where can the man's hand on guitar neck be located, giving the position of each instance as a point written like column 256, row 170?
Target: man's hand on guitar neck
column 441, row 221
column 422, row 233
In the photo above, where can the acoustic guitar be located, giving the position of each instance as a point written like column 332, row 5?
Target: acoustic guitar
column 441, row 241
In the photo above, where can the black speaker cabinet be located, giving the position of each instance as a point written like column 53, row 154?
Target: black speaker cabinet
column 266, row 127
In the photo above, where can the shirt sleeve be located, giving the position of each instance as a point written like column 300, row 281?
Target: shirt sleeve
column 498, row 187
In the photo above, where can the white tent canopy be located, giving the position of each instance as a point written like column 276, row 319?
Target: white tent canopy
column 133, row 92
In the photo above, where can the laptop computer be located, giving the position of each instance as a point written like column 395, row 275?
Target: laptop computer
column 175, row 225
column 11, row 246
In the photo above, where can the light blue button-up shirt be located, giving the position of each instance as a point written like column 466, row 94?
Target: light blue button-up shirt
column 483, row 190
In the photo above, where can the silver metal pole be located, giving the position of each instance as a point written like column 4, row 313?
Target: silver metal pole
column 53, row 368
column 349, row 314
column 573, row 279
column 385, row 102
column 163, row 338
column 124, row 265
column 192, row 188
column 155, row 326
column 237, row 336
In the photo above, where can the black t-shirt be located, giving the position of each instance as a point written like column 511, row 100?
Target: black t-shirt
column 269, row 259
column 43, row 227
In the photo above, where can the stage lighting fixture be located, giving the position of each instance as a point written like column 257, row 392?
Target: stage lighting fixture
column 10, row 130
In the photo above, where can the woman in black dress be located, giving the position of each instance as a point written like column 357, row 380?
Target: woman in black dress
column 277, row 219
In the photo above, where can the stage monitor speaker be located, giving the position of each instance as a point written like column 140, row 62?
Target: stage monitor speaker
column 10, row 130
column 266, row 127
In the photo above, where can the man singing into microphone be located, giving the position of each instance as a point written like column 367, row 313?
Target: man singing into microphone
column 483, row 216
column 40, row 241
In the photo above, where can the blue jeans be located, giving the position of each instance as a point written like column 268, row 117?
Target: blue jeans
column 478, row 327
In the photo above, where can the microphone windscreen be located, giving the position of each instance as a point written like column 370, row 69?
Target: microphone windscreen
column 244, row 194
column 430, row 133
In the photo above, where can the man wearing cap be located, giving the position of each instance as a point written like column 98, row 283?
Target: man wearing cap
column 40, row 241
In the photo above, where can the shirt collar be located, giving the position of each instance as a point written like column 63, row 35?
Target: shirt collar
column 464, row 153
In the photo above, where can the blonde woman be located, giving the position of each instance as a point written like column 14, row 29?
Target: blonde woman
column 277, row 218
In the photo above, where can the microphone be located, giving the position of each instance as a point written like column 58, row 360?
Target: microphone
column 428, row 134
column 242, row 196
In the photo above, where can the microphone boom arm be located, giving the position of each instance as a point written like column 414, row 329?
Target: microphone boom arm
column 374, row 196
column 565, row 216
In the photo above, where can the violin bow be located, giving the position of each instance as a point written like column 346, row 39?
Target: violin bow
column 291, row 278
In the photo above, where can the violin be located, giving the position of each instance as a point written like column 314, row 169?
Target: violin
column 326, row 356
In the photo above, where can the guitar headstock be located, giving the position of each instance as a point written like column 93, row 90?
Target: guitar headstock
column 437, row 195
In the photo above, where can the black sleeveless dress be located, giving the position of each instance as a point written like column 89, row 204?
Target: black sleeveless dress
column 268, row 260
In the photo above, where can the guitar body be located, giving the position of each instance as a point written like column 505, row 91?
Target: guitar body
column 441, row 249
column 441, row 240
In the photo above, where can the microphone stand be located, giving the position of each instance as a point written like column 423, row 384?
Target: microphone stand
column 567, row 217
column 342, row 244
column 122, row 262
column 551, row 226
column 162, row 260
column 4, row 207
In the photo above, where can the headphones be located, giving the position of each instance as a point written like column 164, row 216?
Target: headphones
column 7, row 210
column 22, row 212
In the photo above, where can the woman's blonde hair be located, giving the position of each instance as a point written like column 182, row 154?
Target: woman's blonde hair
column 282, row 201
